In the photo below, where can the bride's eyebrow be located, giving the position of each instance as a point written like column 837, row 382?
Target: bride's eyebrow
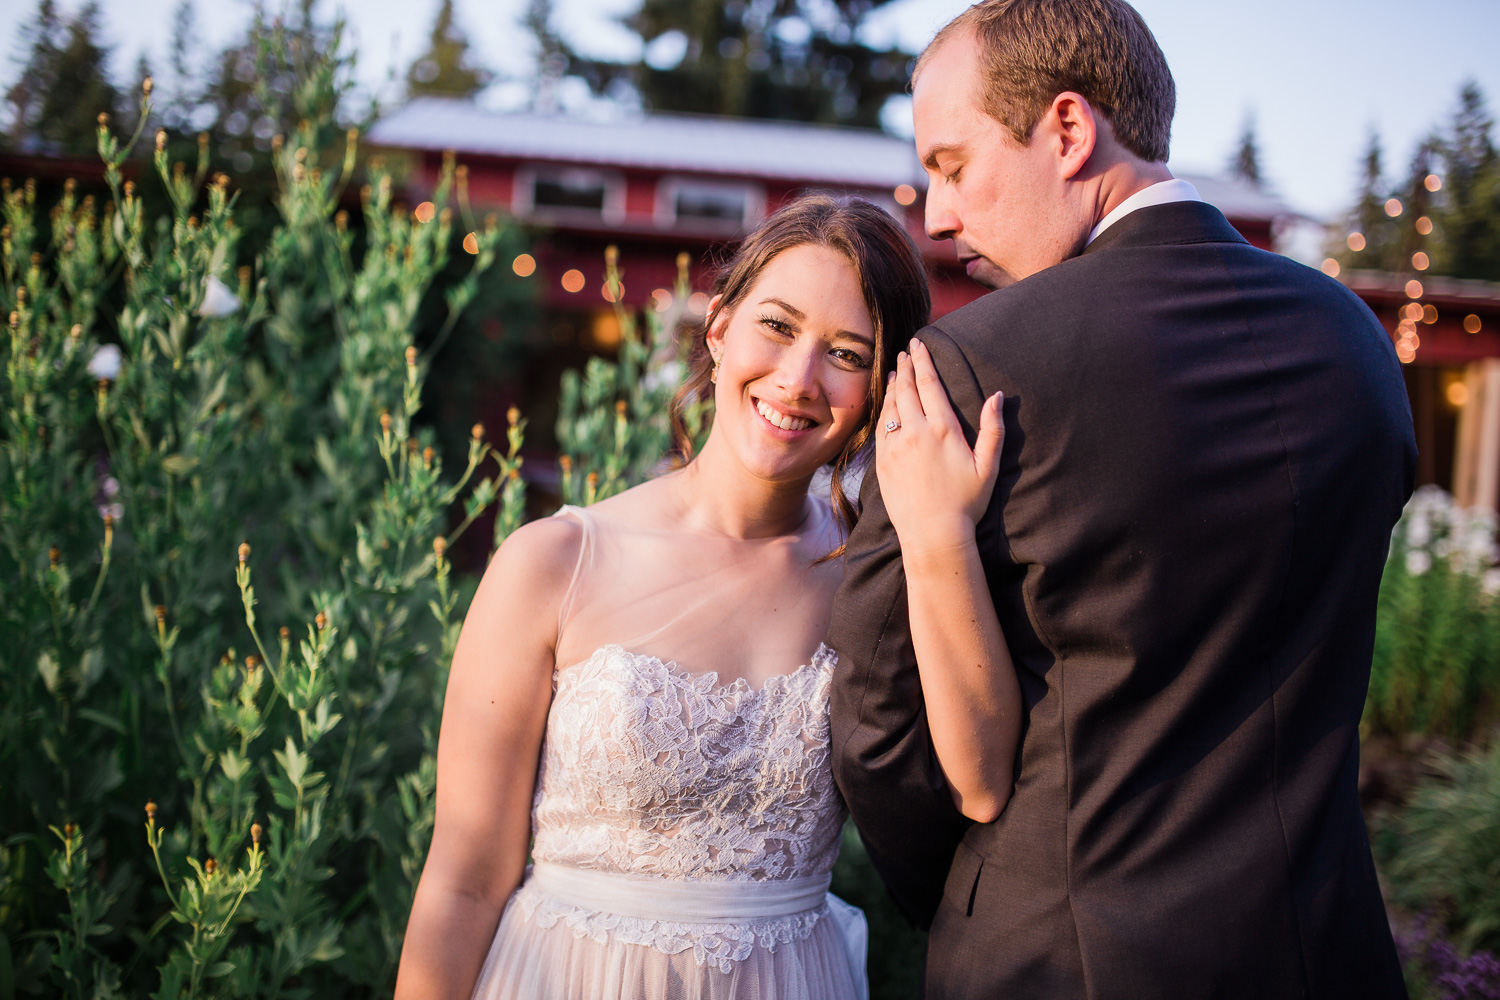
column 799, row 314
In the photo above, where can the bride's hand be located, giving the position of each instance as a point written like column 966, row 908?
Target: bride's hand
column 935, row 487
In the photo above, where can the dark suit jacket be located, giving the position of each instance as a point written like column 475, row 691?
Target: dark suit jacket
column 1206, row 448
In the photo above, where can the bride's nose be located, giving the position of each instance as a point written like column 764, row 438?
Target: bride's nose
column 797, row 370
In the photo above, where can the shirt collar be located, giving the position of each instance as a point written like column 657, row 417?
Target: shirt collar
column 1160, row 193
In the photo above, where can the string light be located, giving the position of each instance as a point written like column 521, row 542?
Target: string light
column 1424, row 226
column 524, row 265
column 905, row 194
column 1457, row 393
column 1356, row 242
column 1414, row 289
column 1432, row 182
column 1429, row 314
column 573, row 280
column 1393, row 207
column 471, row 243
column 1472, row 324
column 1419, row 261
column 1331, row 267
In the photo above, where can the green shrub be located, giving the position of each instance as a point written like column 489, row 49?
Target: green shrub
column 1441, row 854
column 1436, row 668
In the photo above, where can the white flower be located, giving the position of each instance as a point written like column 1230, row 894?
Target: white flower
column 1418, row 562
column 111, row 486
column 106, row 362
column 1418, row 530
column 218, row 300
column 114, row 510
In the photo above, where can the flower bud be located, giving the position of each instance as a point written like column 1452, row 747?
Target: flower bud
column 412, row 445
column 244, row 552
column 427, row 454
column 285, row 633
column 255, row 827
column 682, row 261
column 68, row 829
column 566, row 463
column 252, row 663
column 209, row 867
column 439, row 546
column 103, row 120
column 611, row 256
column 321, row 620
column 619, row 407
column 385, row 421
column 161, row 614
column 54, row 556
column 150, row 811
column 593, row 480
column 146, row 86
column 513, row 475
column 411, row 357
column 477, row 432
column 161, row 139
column 513, row 416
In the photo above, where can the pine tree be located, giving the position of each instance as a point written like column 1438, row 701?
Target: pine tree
column 444, row 69
column 1245, row 165
column 1369, row 236
column 79, row 89
column 792, row 59
column 1469, row 218
column 39, row 44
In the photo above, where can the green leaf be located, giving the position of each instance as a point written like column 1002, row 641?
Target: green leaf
column 179, row 464
column 99, row 718
column 46, row 665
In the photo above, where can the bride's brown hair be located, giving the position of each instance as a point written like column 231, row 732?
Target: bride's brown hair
column 890, row 276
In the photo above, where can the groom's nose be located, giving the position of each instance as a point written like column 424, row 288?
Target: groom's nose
column 942, row 222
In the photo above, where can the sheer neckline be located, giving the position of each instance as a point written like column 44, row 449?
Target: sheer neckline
column 821, row 658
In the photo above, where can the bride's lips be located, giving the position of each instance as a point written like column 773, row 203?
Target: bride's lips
column 784, row 434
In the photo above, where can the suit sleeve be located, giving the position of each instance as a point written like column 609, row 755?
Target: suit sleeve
column 883, row 759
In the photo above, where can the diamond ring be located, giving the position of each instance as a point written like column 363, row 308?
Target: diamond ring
column 892, row 426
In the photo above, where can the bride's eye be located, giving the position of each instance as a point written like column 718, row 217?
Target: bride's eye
column 776, row 325
column 851, row 357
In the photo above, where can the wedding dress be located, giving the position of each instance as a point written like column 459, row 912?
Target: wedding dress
column 684, row 829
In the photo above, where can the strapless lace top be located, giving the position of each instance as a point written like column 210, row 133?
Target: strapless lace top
column 648, row 769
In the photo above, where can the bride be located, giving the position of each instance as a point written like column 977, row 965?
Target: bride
column 625, row 699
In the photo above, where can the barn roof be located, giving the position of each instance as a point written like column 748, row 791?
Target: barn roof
column 695, row 143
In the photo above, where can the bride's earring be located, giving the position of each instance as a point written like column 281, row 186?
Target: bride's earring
column 713, row 376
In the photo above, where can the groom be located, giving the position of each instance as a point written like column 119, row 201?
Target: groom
column 1206, row 448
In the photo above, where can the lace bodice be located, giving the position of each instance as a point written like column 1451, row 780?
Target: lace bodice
column 648, row 769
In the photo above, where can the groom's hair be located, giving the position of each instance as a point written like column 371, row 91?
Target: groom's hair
column 1033, row 50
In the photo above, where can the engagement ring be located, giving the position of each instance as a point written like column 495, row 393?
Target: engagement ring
column 892, row 426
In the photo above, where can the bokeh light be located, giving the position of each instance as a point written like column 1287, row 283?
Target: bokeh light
column 1472, row 324
column 1356, row 242
column 1424, row 226
column 524, row 265
column 1414, row 289
column 661, row 299
column 424, row 212
column 471, row 243
column 1429, row 314
column 573, row 280
column 1457, row 393
column 905, row 194
column 1419, row 261
column 1432, row 182
column 609, row 293
column 1393, row 207
column 1331, row 267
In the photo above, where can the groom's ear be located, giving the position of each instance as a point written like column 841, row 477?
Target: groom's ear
column 1070, row 128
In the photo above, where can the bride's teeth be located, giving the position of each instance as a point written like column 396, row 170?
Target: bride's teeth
column 782, row 420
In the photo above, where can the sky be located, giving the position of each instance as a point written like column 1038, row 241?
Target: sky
column 1316, row 75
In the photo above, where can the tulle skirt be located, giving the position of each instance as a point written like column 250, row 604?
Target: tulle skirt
column 571, row 934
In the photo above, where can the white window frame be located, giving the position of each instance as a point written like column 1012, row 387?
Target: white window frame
column 669, row 187
column 613, row 182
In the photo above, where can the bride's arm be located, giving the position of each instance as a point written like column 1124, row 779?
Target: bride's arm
column 494, row 716
column 935, row 489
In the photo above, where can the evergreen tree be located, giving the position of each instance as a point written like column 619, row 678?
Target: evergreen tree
column 1368, row 237
column 552, row 56
column 79, row 89
column 1245, row 165
column 40, row 41
column 787, row 59
column 1469, row 218
column 444, row 69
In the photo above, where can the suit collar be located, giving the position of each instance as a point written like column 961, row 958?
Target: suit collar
column 1166, row 225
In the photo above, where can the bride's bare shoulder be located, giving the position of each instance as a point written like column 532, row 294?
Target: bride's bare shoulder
column 537, row 560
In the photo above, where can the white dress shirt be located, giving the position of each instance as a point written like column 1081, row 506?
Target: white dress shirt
column 1160, row 193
